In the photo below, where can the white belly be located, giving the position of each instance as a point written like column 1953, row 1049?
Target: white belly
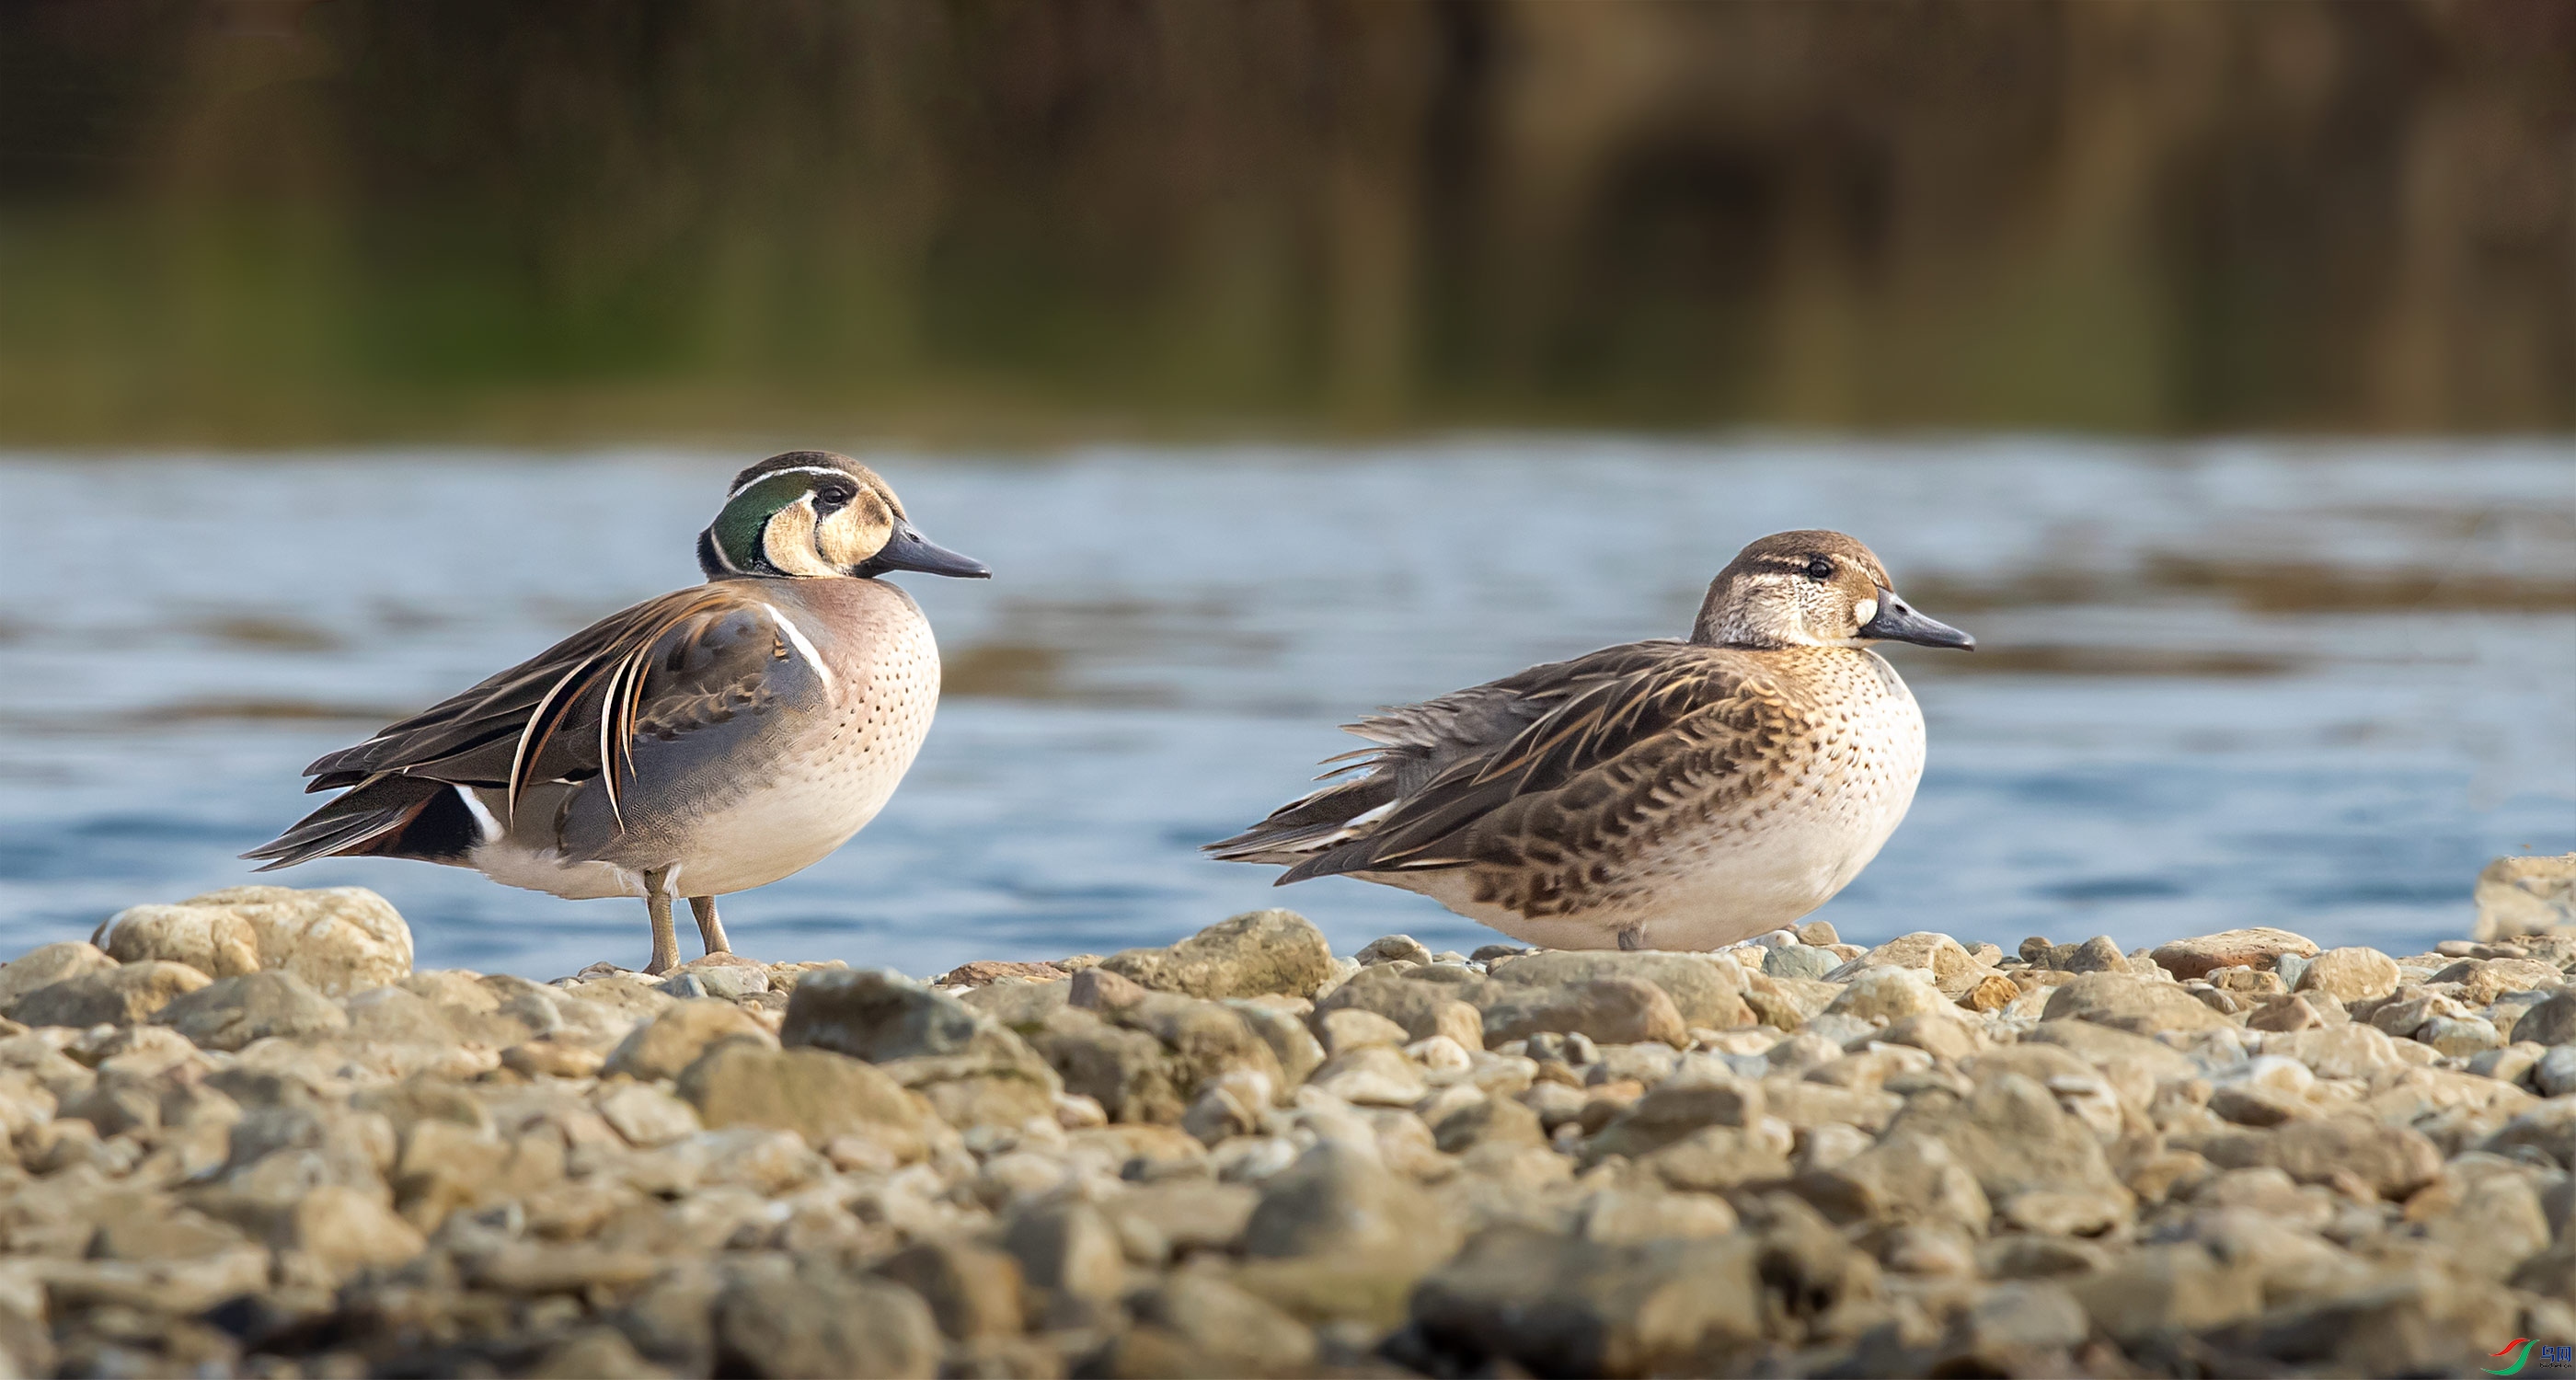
column 511, row 865
column 796, row 821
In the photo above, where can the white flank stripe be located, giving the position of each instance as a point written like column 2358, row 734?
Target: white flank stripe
column 796, row 635
column 483, row 816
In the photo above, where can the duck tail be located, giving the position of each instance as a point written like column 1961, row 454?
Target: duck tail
column 1295, row 833
column 386, row 816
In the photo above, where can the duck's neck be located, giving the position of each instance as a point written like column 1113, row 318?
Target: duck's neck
column 1719, row 627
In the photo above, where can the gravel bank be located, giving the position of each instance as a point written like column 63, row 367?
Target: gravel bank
column 245, row 1137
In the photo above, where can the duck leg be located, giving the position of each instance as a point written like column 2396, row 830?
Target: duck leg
column 710, row 928
column 666, row 941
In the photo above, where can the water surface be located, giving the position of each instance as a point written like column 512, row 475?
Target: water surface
column 2297, row 684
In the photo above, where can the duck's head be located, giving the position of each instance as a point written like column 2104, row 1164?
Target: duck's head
column 810, row 514
column 1812, row 589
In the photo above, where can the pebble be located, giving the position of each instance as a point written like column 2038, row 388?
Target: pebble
column 2258, row 948
column 1351, row 1028
column 2554, row 1073
column 2551, row 1021
column 672, row 1039
column 1242, row 1154
column 1252, row 954
column 232, row 1012
column 2350, row 975
column 1948, row 961
column 122, row 995
column 1609, row 1010
column 1392, row 948
column 45, row 966
column 875, row 1015
column 1705, row 990
column 1886, row 994
column 1799, row 961
column 339, row 940
column 2517, row 897
column 2123, row 1002
column 2290, row 968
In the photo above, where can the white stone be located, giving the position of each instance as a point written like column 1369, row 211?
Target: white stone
column 2288, row 1077
column 340, row 939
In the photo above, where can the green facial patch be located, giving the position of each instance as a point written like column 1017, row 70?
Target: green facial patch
column 738, row 528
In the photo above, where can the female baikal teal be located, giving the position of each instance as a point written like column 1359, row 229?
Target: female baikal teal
column 1656, row 795
column 708, row 741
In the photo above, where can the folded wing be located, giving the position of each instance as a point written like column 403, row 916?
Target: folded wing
column 685, row 664
column 1539, row 760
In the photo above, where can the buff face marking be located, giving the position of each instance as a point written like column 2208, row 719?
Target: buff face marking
column 1680, row 795
column 705, row 742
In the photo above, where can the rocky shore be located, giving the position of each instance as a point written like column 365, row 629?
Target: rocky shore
column 246, row 1137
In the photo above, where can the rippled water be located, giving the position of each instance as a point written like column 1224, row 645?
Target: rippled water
column 2295, row 684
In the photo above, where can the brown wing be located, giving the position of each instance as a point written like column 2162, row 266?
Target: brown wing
column 511, row 729
column 663, row 670
column 1625, row 734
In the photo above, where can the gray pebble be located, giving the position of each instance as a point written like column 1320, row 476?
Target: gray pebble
column 1800, row 961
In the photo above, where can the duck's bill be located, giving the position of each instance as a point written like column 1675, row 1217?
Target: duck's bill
column 908, row 549
column 1896, row 621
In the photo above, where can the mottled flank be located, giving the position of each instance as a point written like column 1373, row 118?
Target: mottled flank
column 1242, row 1155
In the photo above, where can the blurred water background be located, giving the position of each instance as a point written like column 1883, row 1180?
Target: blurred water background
column 2227, row 684
column 2215, row 364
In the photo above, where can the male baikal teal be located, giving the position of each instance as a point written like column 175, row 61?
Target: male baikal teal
column 1663, row 794
column 704, row 742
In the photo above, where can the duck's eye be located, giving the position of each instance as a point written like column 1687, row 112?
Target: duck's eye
column 834, row 496
column 1820, row 569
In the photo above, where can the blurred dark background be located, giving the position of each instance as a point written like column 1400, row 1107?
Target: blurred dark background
column 288, row 222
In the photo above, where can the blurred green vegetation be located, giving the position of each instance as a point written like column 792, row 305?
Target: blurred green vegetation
column 276, row 222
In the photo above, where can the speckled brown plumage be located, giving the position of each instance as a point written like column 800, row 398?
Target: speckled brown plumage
column 1678, row 794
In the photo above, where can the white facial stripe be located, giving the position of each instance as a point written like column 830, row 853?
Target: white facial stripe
column 796, row 635
column 716, row 549
column 1864, row 611
column 737, row 489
